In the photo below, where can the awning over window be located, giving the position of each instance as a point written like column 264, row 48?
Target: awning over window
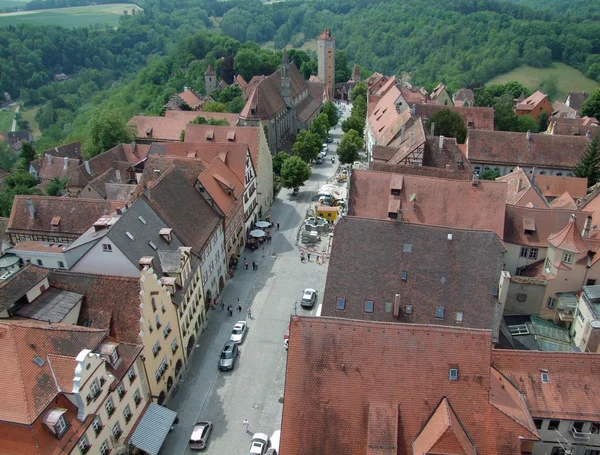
column 153, row 429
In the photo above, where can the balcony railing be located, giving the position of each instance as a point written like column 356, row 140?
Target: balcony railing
column 580, row 435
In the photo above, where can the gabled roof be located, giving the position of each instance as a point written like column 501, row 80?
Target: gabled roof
column 184, row 209
column 28, row 388
column 157, row 165
column 70, row 150
column 368, row 258
column 437, row 91
column 435, row 201
column 307, row 108
column 169, row 127
column 510, row 148
column 339, row 371
column 222, row 185
column 478, row 118
column 530, row 103
column 570, row 393
column 110, row 304
column 576, row 99
column 520, row 190
column 561, row 110
column 554, row 186
column 190, row 98
column 564, row 201
column 239, row 80
column 569, row 238
column 20, row 283
column 55, row 167
column 464, row 94
column 585, row 126
column 76, row 214
column 539, row 222
column 119, row 173
column 383, row 114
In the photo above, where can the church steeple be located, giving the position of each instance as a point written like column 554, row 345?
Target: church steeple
column 286, row 84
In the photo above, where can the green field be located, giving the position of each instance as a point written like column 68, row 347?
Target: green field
column 567, row 79
column 29, row 115
column 6, row 118
column 77, row 16
column 12, row 3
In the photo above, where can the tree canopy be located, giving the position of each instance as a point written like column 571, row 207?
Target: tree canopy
column 588, row 166
column 349, row 146
column 450, row 124
column 591, row 106
column 107, row 129
column 294, row 172
column 307, row 146
column 330, row 110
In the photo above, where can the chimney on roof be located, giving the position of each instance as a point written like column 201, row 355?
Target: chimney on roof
column 399, row 217
column 30, row 207
column 118, row 175
column 441, row 143
column 475, row 180
column 66, row 162
column 587, row 227
column 119, row 211
column 397, row 302
column 86, row 163
column 432, row 128
column 529, row 135
column 49, row 159
column 588, row 135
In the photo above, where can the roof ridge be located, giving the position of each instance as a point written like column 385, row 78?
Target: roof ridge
column 98, row 275
column 514, row 352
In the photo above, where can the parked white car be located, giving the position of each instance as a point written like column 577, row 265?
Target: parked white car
column 239, row 332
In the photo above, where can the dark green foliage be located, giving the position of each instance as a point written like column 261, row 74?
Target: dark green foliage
column 56, row 186
column 589, row 165
column 501, row 97
column 107, row 129
column 7, row 157
column 490, row 174
column 320, row 127
column 19, row 183
column 27, row 152
column 448, row 124
column 331, row 111
column 227, row 70
column 591, row 106
column 542, row 124
column 307, row 146
column 211, row 121
column 342, row 68
column 278, row 161
column 294, row 172
column 349, row 146
column 214, row 106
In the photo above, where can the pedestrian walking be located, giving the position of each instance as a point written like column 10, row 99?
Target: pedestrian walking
column 245, row 263
column 308, row 255
column 263, row 250
column 230, row 310
column 277, row 226
column 249, row 313
column 246, row 425
column 318, row 259
column 222, row 305
column 239, row 308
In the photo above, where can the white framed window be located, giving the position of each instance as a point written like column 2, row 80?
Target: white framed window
column 551, row 302
column 97, row 424
column 83, row 444
column 116, row 430
column 533, row 253
column 137, row 397
column 567, row 258
column 127, row 413
column 459, row 316
column 104, row 448
column 107, row 247
column 121, row 390
column 131, row 374
column 156, row 348
column 94, row 388
column 109, row 406
column 114, row 356
column 167, row 330
column 61, row 425
column 174, row 345
column 580, row 318
column 158, row 324
column 524, row 251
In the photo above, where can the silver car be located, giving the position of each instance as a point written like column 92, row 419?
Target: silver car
column 239, row 332
column 259, row 445
column 309, row 297
column 200, row 435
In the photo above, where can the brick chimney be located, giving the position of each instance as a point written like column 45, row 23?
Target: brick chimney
column 30, row 207
column 397, row 302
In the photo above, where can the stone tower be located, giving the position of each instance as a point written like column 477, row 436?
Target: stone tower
column 286, row 83
column 326, row 57
column 210, row 80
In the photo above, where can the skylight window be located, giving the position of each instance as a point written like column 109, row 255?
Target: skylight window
column 439, row 312
column 152, row 245
column 142, row 219
column 545, row 377
column 368, row 306
column 453, row 374
column 128, row 234
column 404, row 276
column 340, row 303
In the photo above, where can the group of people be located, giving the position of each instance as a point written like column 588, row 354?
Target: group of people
column 304, row 258
column 254, row 264
column 239, row 308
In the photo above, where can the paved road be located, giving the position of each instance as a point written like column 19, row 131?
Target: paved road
column 252, row 390
column 14, row 122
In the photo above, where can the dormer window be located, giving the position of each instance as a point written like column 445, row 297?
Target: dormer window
column 55, row 421
column 453, row 374
column 114, row 356
column 545, row 377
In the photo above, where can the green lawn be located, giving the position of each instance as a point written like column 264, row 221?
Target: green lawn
column 29, row 115
column 568, row 79
column 77, row 16
column 6, row 118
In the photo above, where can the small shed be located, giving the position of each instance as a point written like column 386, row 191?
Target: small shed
column 329, row 213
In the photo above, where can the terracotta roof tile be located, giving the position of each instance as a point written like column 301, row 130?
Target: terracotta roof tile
column 576, row 99
column 363, row 266
column 569, row 394
column 98, row 165
column 55, row 167
column 76, row 215
column 546, row 222
column 190, row 98
column 464, row 95
column 27, row 387
column 222, row 185
column 554, row 186
column 335, row 377
column 574, row 127
column 383, row 114
column 440, row 202
column 520, row 190
column 479, row 118
column 70, row 150
column 569, row 238
column 564, row 201
column 169, row 127
column 530, row 103
column 514, row 149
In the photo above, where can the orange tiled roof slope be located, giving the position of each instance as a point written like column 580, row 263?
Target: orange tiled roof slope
column 529, row 104
column 76, row 214
column 564, row 201
column 169, row 127
column 222, row 185
column 157, row 165
column 541, row 223
column 569, row 238
column 337, row 370
column 427, row 200
column 27, row 387
column 190, row 98
column 56, row 167
column 571, row 392
column 520, row 190
column 554, row 186
column 512, row 149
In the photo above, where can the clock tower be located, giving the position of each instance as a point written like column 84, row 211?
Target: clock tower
column 326, row 58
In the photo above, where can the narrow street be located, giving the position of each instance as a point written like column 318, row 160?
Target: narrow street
column 252, row 390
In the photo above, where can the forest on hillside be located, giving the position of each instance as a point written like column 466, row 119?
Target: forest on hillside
column 153, row 54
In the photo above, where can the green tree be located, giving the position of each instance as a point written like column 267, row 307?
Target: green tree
column 227, row 94
column 7, row 157
column 359, row 92
column 236, row 105
column 294, row 172
column 27, row 152
column 349, row 146
column 331, row 111
column 211, row 121
column 19, row 183
column 490, row 174
column 591, row 106
column 107, row 129
column 542, row 124
column 56, row 186
column 182, row 136
column 342, row 69
column 353, row 123
column 589, row 164
column 525, row 123
column 450, row 124
column 247, row 63
column 278, row 161
column 307, row 146
column 214, row 106
column 320, row 127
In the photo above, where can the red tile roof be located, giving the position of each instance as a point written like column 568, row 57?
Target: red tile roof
column 530, row 103
column 514, row 149
column 222, row 185
column 569, row 394
column 169, row 127
column 191, row 99
column 520, row 190
column 554, row 186
column 339, row 372
column 564, row 201
column 76, row 215
column 56, row 167
column 28, row 388
column 440, row 202
column 544, row 222
column 569, row 238
column 479, row 118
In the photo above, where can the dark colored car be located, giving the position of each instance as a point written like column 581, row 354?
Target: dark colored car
column 228, row 356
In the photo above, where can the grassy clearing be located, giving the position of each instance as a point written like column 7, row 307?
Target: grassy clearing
column 77, row 16
column 6, row 118
column 567, row 79
column 29, row 115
